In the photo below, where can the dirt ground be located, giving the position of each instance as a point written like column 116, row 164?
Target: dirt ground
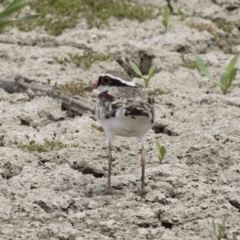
column 55, row 194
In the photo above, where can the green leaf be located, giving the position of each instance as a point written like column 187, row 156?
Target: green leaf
column 146, row 81
column 177, row 10
column 15, row 3
column 166, row 16
column 222, row 228
column 182, row 14
column 165, row 24
column 151, row 71
column 174, row 6
column 2, row 29
column 214, row 227
column 4, row 24
column 13, row 7
column 232, row 64
column 223, row 82
column 203, row 69
column 221, row 231
column 166, row 13
column 163, row 151
column 28, row 18
column 9, row 11
column 222, row 76
column 225, row 220
column 158, row 146
column 232, row 75
column 230, row 67
column 135, row 68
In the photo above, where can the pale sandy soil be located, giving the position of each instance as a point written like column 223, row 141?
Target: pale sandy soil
column 54, row 195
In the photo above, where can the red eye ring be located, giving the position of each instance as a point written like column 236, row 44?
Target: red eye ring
column 105, row 80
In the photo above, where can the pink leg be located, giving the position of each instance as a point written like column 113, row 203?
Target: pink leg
column 143, row 190
column 108, row 190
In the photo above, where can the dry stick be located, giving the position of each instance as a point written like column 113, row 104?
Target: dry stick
column 32, row 88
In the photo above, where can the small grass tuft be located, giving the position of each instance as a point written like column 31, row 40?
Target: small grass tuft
column 97, row 127
column 126, row 147
column 226, row 27
column 202, row 27
column 87, row 59
column 221, row 24
column 47, row 146
column 74, row 87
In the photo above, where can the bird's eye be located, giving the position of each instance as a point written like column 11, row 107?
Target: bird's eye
column 105, row 80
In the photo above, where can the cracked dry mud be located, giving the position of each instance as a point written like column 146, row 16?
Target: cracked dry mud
column 54, row 195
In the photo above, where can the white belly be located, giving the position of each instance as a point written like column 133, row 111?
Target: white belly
column 126, row 126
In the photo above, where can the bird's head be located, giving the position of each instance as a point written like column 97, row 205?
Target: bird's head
column 110, row 79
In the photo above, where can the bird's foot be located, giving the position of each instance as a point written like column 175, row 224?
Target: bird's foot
column 142, row 192
column 110, row 191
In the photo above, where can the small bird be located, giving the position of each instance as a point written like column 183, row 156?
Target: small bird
column 122, row 109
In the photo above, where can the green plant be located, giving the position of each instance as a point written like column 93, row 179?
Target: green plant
column 226, row 77
column 161, row 151
column 220, row 230
column 166, row 17
column 47, row 146
column 177, row 10
column 12, row 8
column 151, row 72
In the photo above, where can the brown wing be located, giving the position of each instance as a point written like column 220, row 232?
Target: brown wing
column 135, row 101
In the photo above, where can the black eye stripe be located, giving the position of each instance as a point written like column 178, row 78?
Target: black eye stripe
column 118, row 83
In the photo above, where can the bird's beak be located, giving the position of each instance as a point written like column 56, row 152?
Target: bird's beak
column 91, row 87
